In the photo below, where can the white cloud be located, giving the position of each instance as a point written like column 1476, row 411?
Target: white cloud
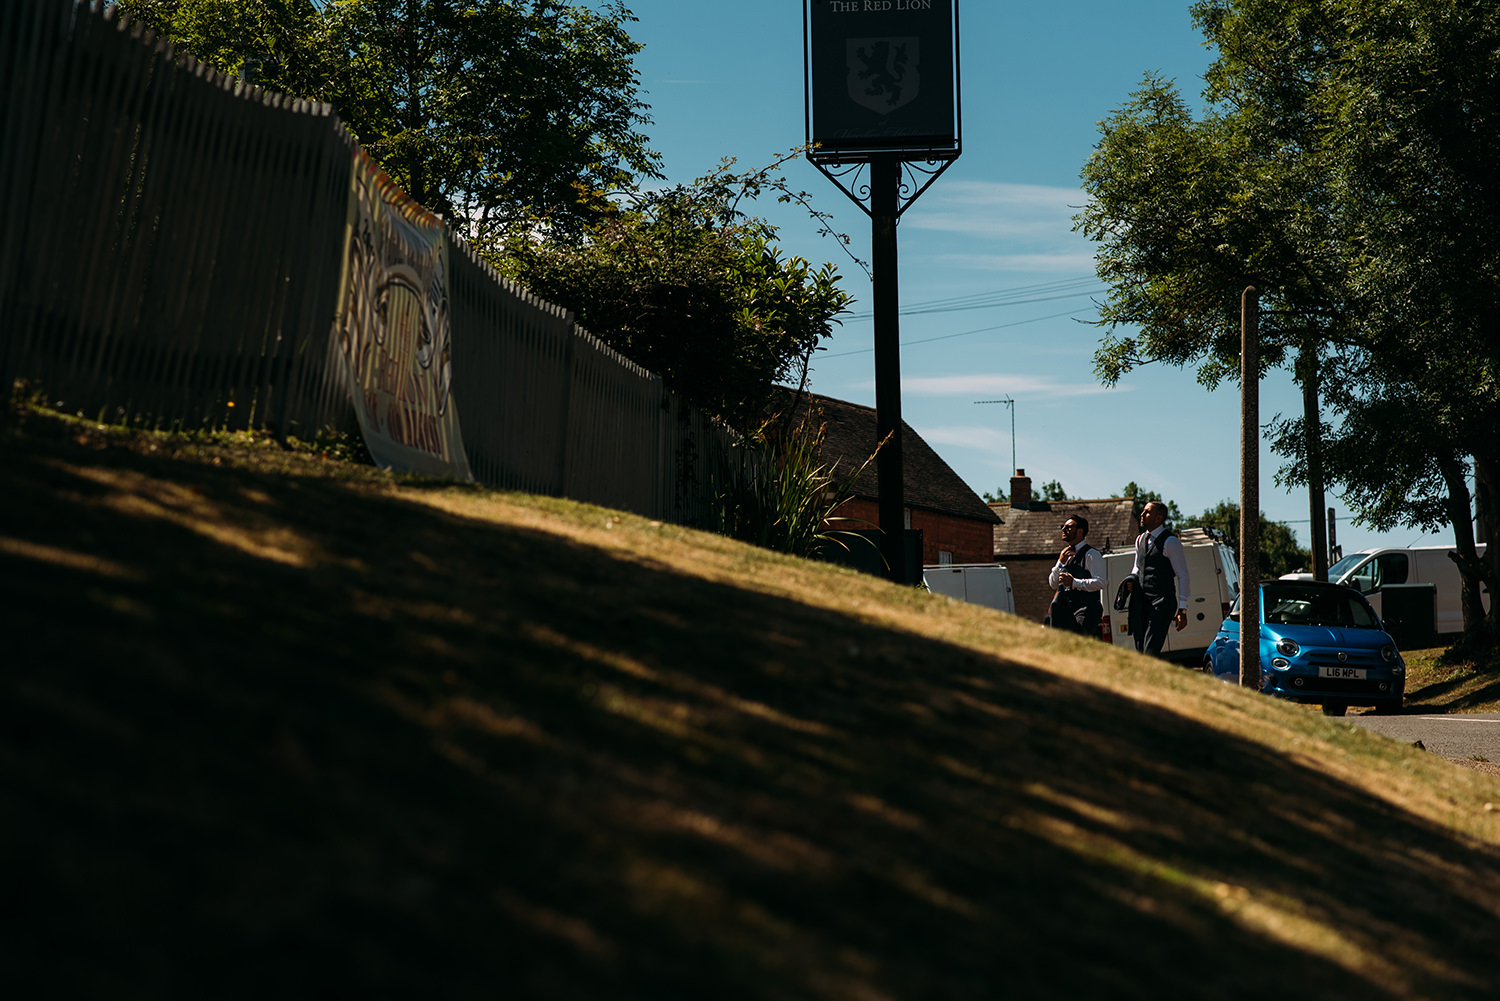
column 1033, row 223
column 999, row 211
column 984, row 439
column 987, row 193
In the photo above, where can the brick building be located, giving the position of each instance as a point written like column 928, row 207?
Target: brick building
column 956, row 524
column 1030, row 537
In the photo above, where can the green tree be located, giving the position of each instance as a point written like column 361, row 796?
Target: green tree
column 1407, row 99
column 492, row 113
column 1279, row 552
column 279, row 44
column 774, row 490
column 1000, row 496
column 1187, row 214
column 1051, row 491
column 1422, row 480
column 1429, row 285
column 1343, row 168
column 682, row 281
column 1143, row 497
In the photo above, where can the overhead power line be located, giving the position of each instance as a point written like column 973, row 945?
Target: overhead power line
column 964, row 333
column 1047, row 291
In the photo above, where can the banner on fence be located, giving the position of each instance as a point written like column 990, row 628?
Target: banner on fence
column 395, row 336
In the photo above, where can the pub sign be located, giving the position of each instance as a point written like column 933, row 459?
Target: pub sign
column 882, row 77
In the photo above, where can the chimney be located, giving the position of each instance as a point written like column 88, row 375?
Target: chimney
column 1020, row 490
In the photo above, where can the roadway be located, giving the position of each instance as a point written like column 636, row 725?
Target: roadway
column 1470, row 736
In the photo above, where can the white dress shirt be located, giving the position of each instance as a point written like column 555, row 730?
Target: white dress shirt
column 1095, row 563
column 1172, row 550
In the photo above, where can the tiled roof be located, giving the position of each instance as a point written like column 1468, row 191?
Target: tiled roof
column 1034, row 530
column 930, row 483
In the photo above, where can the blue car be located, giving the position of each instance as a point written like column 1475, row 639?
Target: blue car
column 1319, row 643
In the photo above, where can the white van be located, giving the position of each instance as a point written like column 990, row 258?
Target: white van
column 1214, row 577
column 985, row 584
column 1381, row 574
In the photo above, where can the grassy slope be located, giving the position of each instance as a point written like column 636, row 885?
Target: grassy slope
column 276, row 726
column 1463, row 687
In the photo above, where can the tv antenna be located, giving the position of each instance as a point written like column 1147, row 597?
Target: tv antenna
column 1012, row 404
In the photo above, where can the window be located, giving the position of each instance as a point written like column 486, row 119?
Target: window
column 1343, row 566
column 1393, row 569
column 1364, row 578
column 1378, row 571
column 1291, row 605
column 945, row 558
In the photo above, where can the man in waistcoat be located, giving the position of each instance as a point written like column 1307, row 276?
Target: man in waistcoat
column 1076, row 581
column 1161, row 568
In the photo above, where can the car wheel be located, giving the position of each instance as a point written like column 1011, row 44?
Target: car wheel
column 1334, row 708
column 1388, row 708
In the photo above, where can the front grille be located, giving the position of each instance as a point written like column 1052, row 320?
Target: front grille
column 1340, row 686
column 1369, row 662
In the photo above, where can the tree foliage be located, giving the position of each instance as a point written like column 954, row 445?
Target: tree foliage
column 1187, row 214
column 518, row 120
column 1279, row 552
column 280, row 44
column 1052, row 490
column 1408, row 94
column 1344, row 167
column 684, row 282
column 1141, row 497
column 773, row 489
column 489, row 112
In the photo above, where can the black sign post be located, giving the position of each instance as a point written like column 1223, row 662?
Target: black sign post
column 882, row 80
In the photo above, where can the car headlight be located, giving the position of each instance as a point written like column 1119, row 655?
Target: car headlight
column 1280, row 663
column 1388, row 654
column 1287, row 647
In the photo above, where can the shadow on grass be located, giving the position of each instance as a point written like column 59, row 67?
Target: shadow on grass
column 1464, row 692
column 1478, row 699
column 394, row 753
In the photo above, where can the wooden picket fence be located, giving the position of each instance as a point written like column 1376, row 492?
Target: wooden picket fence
column 170, row 248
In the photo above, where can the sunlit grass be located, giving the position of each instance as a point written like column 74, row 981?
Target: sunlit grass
column 1436, row 684
column 272, row 711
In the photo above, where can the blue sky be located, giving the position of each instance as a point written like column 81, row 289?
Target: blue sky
column 725, row 79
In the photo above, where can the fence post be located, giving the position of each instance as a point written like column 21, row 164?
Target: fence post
column 565, row 404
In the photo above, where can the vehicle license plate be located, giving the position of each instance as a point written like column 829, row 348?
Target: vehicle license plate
column 1341, row 672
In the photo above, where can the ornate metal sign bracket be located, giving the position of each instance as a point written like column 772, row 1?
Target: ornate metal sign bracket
column 853, row 180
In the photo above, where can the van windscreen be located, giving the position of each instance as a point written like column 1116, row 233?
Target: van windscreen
column 1344, row 565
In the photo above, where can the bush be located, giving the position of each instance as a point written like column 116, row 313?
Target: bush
column 773, row 489
column 685, row 284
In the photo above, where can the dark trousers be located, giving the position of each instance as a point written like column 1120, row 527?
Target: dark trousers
column 1150, row 618
column 1075, row 615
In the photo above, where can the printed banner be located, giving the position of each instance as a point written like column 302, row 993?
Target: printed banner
column 394, row 332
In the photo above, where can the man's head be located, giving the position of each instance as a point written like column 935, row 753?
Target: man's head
column 1153, row 515
column 1075, row 529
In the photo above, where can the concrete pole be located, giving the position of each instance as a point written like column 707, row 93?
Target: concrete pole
column 1307, row 362
column 1250, row 489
